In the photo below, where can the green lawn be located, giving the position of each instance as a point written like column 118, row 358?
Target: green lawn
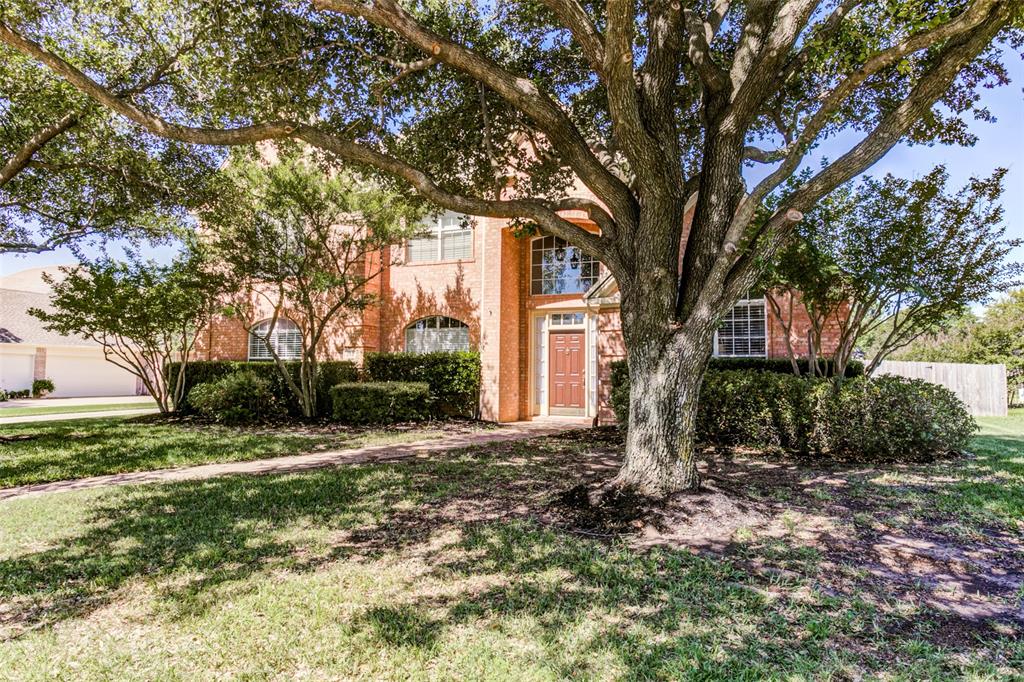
column 456, row 567
column 73, row 409
column 51, row 451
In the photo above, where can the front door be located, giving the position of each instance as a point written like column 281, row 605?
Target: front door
column 567, row 374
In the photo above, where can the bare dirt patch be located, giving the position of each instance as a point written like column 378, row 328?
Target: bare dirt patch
column 877, row 534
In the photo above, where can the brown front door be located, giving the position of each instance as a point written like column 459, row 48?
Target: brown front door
column 566, row 385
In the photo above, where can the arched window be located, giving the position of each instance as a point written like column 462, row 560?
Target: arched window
column 557, row 267
column 285, row 337
column 436, row 333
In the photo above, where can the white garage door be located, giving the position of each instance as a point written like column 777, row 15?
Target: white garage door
column 16, row 371
column 87, row 375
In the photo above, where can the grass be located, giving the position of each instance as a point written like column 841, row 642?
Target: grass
column 450, row 568
column 73, row 409
column 58, row 450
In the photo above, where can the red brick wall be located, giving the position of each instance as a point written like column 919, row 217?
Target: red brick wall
column 410, row 291
column 528, row 303
column 790, row 307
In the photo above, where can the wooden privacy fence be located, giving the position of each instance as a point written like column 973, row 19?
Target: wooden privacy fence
column 981, row 387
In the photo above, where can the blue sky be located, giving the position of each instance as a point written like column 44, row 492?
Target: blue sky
column 1000, row 144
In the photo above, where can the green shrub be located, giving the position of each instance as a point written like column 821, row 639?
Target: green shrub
column 3, row 396
column 18, row 395
column 205, row 371
column 741, row 407
column 889, row 419
column 383, row 402
column 453, row 377
column 236, row 398
column 755, row 409
column 40, row 387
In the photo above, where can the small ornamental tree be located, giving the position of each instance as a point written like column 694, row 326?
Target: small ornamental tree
column 301, row 244
column 501, row 109
column 896, row 258
column 144, row 315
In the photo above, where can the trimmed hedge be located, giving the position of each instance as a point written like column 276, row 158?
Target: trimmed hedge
column 855, row 368
column 756, row 409
column 205, row 371
column 889, row 419
column 381, row 402
column 236, row 398
column 453, row 377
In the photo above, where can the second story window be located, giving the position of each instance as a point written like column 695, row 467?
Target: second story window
column 448, row 237
column 558, row 267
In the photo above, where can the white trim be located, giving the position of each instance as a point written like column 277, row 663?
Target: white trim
column 745, row 301
column 539, row 345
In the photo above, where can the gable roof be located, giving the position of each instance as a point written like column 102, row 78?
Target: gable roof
column 17, row 326
column 605, row 291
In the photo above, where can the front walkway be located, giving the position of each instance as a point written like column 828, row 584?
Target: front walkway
column 280, row 465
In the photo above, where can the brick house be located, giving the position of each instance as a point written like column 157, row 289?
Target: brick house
column 543, row 316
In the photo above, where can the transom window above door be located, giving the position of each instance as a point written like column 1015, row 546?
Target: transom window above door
column 743, row 331
column 285, row 338
column 436, row 333
column 557, row 267
column 448, row 237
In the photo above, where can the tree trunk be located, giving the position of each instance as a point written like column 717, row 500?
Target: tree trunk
column 665, row 382
column 666, row 361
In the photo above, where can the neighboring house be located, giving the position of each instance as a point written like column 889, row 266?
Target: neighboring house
column 28, row 351
column 543, row 315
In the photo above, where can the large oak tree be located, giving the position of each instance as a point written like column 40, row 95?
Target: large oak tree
column 72, row 171
column 495, row 109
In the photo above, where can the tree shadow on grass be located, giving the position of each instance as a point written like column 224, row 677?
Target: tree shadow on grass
column 657, row 613
column 190, row 537
column 73, row 450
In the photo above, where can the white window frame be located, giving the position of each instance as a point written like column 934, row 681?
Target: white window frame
column 764, row 310
column 286, row 338
column 451, row 324
column 448, row 225
column 564, row 244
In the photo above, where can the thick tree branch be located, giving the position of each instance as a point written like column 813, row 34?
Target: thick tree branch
column 642, row 150
column 520, row 92
column 531, row 209
column 23, row 156
column 959, row 52
column 573, row 16
column 755, row 86
column 752, row 153
column 538, row 211
column 968, row 21
column 698, row 53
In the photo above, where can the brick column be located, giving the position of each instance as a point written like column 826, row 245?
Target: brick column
column 39, row 366
column 499, row 323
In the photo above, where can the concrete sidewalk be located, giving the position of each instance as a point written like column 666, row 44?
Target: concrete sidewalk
column 63, row 416
column 317, row 460
column 75, row 402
